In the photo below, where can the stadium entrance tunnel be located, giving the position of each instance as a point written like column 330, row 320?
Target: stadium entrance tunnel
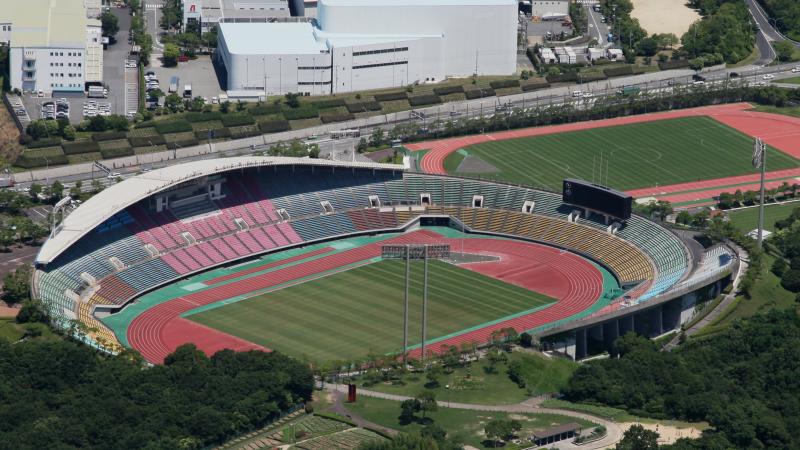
column 652, row 320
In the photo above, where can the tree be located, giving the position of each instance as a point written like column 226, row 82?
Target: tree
column 225, row 106
column 427, row 402
column 109, row 24
column 638, row 438
column 408, row 409
column 501, row 429
column 648, row 46
column 36, row 189
column 525, row 340
column 16, row 285
column 56, row 191
column 117, row 122
column 377, row 137
column 784, row 50
column 171, row 54
column 292, row 99
column 69, row 133
column 362, row 145
column 696, row 64
column 174, row 103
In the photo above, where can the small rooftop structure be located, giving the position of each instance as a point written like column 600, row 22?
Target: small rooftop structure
column 555, row 434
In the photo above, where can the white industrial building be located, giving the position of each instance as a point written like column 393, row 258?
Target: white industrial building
column 208, row 13
column 368, row 44
column 53, row 45
column 550, row 9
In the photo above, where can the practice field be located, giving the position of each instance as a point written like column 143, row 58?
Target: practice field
column 747, row 219
column 636, row 155
column 349, row 314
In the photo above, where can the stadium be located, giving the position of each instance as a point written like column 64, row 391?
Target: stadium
column 286, row 254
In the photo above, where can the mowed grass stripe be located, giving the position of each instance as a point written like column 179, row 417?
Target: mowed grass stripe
column 637, row 155
column 349, row 314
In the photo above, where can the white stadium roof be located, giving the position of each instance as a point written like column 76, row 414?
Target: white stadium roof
column 115, row 198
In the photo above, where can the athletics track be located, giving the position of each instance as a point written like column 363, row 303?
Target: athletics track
column 574, row 281
column 780, row 132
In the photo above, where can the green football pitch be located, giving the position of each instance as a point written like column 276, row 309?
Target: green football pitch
column 350, row 314
column 633, row 156
column 747, row 219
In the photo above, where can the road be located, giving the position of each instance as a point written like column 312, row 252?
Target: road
column 767, row 33
column 613, row 430
column 597, row 29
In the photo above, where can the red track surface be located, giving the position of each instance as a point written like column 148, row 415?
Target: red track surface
column 433, row 161
column 711, row 193
column 710, row 184
column 565, row 276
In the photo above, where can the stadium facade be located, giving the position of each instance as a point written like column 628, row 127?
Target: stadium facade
column 357, row 45
column 158, row 227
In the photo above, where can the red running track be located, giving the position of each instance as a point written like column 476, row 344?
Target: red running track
column 433, row 161
column 711, row 193
column 572, row 280
column 715, row 183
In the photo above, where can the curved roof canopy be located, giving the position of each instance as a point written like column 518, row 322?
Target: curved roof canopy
column 115, row 198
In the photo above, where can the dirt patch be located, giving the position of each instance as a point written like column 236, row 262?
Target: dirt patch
column 664, row 16
column 377, row 156
column 473, row 164
column 8, row 311
column 9, row 136
column 667, row 434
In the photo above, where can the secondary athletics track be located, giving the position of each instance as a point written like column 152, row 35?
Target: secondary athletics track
column 575, row 282
column 781, row 132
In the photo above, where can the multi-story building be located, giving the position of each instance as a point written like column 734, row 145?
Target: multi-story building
column 53, row 46
column 208, row 13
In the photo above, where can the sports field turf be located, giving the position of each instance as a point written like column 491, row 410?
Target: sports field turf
column 747, row 219
column 350, row 314
column 637, row 155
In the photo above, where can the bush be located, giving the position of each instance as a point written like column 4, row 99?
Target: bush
column 182, row 144
column 77, row 147
column 41, row 143
column 331, row 117
column 116, row 152
column 391, row 96
column 218, row 133
column 532, row 85
column 676, row 64
column 327, row 104
column 202, row 116
column 503, row 84
column 148, row 141
column 109, row 136
column 173, row 126
column 446, row 90
column 592, row 76
column 31, row 162
column 264, row 110
column 479, row 93
column 618, row 71
column 274, row 126
column 568, row 77
column 421, row 100
column 363, row 106
column 146, row 124
column 237, row 120
column 303, row 112
column 244, row 131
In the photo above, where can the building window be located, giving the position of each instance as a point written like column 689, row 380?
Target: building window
column 79, row 64
column 369, row 66
column 383, row 50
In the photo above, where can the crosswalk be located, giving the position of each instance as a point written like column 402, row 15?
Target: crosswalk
column 152, row 6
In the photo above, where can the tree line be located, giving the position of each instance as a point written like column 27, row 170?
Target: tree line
column 725, row 34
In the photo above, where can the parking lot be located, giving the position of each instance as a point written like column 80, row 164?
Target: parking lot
column 199, row 73
column 114, row 72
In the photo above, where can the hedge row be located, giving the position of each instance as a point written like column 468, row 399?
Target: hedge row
column 479, row 93
column 363, row 106
column 274, row 126
column 147, row 141
column 74, row 148
column 109, row 136
column 264, row 110
column 502, row 84
column 173, row 126
column 446, row 90
column 620, row 71
column 594, row 76
column 421, row 100
column 326, row 104
column 49, row 142
column 563, row 77
column 29, row 162
column 677, row 64
column 237, row 120
column 202, row 116
column 541, row 84
column 391, row 96
column 218, row 133
column 243, row 132
column 331, row 117
column 181, row 144
column 116, row 152
column 303, row 112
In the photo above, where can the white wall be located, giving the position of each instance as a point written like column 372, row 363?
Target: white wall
column 53, row 67
column 5, row 31
column 541, row 7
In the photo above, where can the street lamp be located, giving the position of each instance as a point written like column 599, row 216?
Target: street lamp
column 280, row 74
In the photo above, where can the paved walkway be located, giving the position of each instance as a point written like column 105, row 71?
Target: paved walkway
column 532, row 406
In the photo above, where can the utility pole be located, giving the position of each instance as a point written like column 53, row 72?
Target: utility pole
column 424, row 304
column 405, row 307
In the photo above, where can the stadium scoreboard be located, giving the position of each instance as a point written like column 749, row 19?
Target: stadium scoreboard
column 597, row 198
column 415, row 251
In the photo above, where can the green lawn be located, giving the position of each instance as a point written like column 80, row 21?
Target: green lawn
column 794, row 80
column 637, row 155
column 747, row 219
column 10, row 330
column 360, row 311
column 472, row 384
column 793, row 111
column 467, row 424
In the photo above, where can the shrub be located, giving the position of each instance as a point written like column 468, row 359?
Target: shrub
column 237, row 120
column 29, row 162
column 446, row 90
column 479, row 93
column 421, row 100
column 116, row 152
column 503, row 84
column 676, row 64
column 181, row 144
column 274, row 126
column 109, row 136
column 202, row 116
column 303, row 112
column 148, row 141
column 618, row 71
column 391, row 96
column 41, row 143
column 535, row 83
column 327, row 104
column 331, row 117
column 264, row 110
column 363, row 106
column 568, row 77
column 218, row 133
column 173, row 126
column 74, row 148
column 244, row 131
column 592, row 76
column 146, row 124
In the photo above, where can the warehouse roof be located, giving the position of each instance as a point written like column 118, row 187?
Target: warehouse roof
column 416, row 2
column 270, row 38
column 119, row 196
column 49, row 23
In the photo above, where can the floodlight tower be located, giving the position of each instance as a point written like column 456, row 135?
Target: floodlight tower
column 760, row 162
